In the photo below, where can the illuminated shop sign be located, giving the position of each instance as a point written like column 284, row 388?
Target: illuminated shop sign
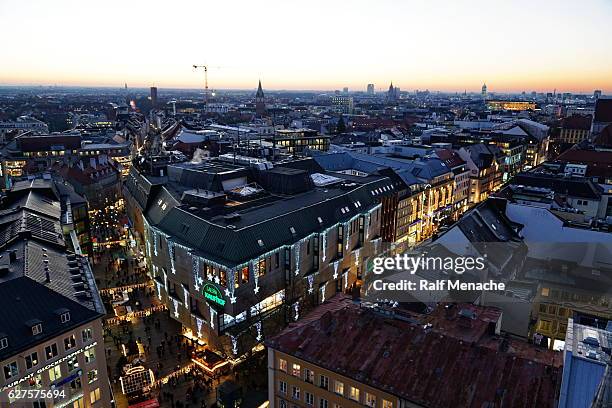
column 213, row 294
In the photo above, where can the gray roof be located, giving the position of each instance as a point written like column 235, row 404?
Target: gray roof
column 39, row 275
column 236, row 241
column 29, row 300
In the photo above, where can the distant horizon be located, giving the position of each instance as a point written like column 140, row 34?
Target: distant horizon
column 448, row 45
column 312, row 90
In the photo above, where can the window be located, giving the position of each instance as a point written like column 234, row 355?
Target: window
column 87, row 335
column 309, row 399
column 78, row 403
column 65, row 317
column 309, row 376
column 36, row 381
column 354, row 395
column 55, row 373
column 90, row 355
column 94, row 396
column 51, row 351
column 76, row 384
column 283, row 404
column 3, row 343
column 282, row 387
column 339, row 387
column 92, row 376
column 324, row 382
column 387, row 404
column 545, row 292
column 10, row 370
column 295, row 392
column 297, row 370
column 39, row 404
column 69, row 342
column 323, row 403
column 282, row 365
column 73, row 363
column 36, row 329
column 370, row 400
column 31, row 360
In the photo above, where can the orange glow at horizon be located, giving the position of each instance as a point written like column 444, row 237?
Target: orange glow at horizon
column 319, row 45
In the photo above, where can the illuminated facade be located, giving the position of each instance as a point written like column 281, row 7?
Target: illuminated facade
column 295, row 141
column 232, row 293
column 511, row 105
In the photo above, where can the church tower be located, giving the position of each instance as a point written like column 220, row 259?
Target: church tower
column 260, row 104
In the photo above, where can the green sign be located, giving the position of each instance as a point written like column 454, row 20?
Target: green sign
column 213, row 294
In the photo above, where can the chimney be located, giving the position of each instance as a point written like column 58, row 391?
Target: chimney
column 47, row 277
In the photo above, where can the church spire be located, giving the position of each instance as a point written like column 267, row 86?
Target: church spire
column 259, row 93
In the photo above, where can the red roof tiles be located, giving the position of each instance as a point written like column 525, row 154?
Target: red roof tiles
column 441, row 360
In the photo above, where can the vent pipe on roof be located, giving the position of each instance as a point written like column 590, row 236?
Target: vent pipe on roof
column 47, row 277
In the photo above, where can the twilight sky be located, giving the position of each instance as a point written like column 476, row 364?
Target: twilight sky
column 449, row 45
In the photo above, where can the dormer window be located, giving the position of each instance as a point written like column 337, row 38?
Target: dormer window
column 3, row 343
column 36, row 329
column 65, row 317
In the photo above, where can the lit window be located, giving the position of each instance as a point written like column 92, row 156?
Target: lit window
column 10, row 370
column 51, row 351
column 73, row 363
column 90, row 355
column 94, row 396
column 92, row 376
column 69, row 342
column 370, row 400
column 545, row 292
column 354, row 395
column 31, row 360
column 87, row 335
column 282, row 365
column 309, row 376
column 387, row 404
column 339, row 387
column 297, row 370
column 55, row 373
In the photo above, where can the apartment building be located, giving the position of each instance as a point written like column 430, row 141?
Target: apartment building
column 347, row 354
column 52, row 339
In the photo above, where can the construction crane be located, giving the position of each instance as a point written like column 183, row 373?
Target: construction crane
column 205, row 67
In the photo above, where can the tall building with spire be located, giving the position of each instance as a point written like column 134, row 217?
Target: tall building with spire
column 260, row 104
column 392, row 93
column 484, row 91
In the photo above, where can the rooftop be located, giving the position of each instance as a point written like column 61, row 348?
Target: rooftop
column 449, row 358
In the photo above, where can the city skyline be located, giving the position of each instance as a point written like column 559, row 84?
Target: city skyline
column 318, row 46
